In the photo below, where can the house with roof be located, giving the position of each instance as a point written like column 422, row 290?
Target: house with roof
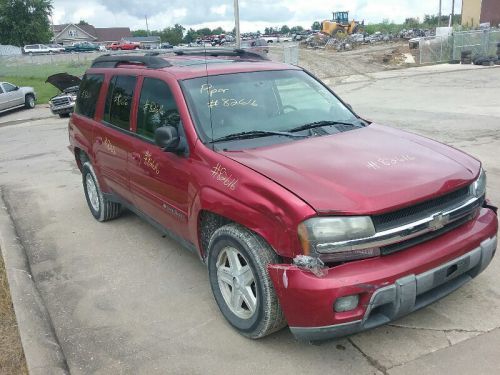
column 70, row 33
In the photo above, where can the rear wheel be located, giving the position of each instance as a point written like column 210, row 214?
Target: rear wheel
column 64, row 115
column 240, row 282
column 101, row 208
column 29, row 101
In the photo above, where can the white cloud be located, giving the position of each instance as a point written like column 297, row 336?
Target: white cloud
column 255, row 15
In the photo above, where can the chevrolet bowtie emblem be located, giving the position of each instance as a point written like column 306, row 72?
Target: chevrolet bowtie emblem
column 438, row 221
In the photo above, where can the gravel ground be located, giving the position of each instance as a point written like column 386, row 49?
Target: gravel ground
column 362, row 60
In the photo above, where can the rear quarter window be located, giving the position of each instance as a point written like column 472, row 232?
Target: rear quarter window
column 88, row 94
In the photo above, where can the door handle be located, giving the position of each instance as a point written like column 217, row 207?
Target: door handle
column 98, row 140
column 136, row 156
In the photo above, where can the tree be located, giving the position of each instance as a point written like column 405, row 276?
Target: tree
column 140, row 32
column 204, row 32
column 218, row 31
column 296, row 29
column 316, row 26
column 25, row 22
column 285, row 29
column 412, row 23
column 191, row 36
column 173, row 35
column 83, row 22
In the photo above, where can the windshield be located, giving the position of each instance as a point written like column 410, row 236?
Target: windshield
column 272, row 101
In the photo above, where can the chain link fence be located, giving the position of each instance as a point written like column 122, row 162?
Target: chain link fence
column 446, row 48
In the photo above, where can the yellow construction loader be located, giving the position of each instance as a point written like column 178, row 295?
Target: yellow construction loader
column 340, row 24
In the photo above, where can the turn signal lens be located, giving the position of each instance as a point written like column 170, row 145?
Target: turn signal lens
column 346, row 303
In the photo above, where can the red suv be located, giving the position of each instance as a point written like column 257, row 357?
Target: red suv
column 304, row 213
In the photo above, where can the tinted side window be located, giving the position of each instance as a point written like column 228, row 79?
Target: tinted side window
column 8, row 87
column 119, row 101
column 1, row 90
column 156, row 108
column 88, row 94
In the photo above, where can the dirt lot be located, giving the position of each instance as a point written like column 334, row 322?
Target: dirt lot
column 328, row 63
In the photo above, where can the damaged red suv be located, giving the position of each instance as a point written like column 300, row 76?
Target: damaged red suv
column 305, row 214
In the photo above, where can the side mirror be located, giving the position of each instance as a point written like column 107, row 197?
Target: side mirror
column 167, row 137
column 16, row 88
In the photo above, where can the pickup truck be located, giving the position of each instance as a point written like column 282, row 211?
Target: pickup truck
column 122, row 46
column 82, row 47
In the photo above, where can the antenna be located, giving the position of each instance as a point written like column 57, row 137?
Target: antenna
column 209, row 97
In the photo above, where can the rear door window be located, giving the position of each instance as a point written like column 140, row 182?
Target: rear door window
column 119, row 101
column 156, row 108
column 88, row 94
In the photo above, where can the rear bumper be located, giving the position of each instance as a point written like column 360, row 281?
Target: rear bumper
column 389, row 287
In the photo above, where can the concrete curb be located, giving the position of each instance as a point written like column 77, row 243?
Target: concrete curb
column 41, row 347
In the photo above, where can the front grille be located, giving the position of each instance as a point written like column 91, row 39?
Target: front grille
column 57, row 102
column 413, row 213
column 389, row 249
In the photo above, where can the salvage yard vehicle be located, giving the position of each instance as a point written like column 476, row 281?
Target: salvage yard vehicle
column 82, row 47
column 304, row 213
column 122, row 46
column 63, row 104
column 37, row 49
column 12, row 96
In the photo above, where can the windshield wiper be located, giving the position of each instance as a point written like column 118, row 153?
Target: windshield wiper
column 319, row 124
column 255, row 134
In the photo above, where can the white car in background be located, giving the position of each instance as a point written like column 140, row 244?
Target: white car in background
column 12, row 96
column 55, row 48
column 32, row 49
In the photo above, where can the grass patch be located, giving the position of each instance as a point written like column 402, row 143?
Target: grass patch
column 35, row 75
column 11, row 352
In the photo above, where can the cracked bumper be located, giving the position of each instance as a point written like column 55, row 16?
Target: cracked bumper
column 388, row 287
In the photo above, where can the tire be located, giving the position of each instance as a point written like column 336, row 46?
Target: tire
column 101, row 208
column 29, row 101
column 256, row 311
column 64, row 115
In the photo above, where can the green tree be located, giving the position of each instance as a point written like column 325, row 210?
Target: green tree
column 285, row 29
column 83, row 22
column 218, row 31
column 25, row 21
column 140, row 32
column 296, row 29
column 316, row 25
column 411, row 23
column 173, row 35
column 204, row 32
column 191, row 36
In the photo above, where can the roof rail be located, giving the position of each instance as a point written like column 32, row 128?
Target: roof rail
column 149, row 61
column 216, row 52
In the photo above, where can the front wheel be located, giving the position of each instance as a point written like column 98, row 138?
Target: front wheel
column 240, row 282
column 29, row 101
column 101, row 208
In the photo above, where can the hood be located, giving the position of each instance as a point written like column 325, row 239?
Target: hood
column 364, row 171
column 62, row 81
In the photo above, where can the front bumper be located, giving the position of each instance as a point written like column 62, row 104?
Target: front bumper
column 61, row 110
column 389, row 287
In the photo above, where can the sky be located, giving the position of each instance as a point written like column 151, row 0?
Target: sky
column 254, row 15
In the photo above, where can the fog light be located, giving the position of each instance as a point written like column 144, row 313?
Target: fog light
column 346, row 303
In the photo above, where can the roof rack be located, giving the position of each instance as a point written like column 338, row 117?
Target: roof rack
column 112, row 61
column 216, row 52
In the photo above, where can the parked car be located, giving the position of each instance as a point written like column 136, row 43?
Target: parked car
column 255, row 45
column 82, row 47
column 122, row 46
column 56, row 48
column 63, row 104
column 304, row 213
column 166, row 46
column 40, row 49
column 12, row 96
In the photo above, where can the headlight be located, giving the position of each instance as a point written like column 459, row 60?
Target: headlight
column 72, row 97
column 324, row 236
column 478, row 187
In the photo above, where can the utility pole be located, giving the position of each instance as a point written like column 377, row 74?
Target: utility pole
column 440, row 9
column 237, row 23
column 452, row 11
column 147, row 26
